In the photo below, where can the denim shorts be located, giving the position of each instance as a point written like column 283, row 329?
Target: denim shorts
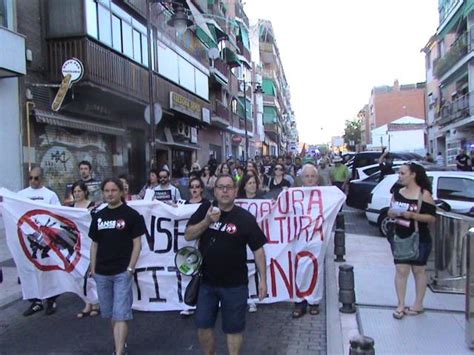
column 115, row 295
column 233, row 301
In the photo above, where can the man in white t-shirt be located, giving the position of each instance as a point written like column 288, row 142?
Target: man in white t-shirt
column 165, row 192
column 37, row 192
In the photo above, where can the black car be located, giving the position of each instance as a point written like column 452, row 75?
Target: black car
column 368, row 158
column 359, row 191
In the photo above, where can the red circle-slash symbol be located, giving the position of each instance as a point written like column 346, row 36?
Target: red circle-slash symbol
column 231, row 228
column 120, row 224
column 41, row 232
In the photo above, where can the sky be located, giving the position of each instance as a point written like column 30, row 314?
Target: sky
column 335, row 52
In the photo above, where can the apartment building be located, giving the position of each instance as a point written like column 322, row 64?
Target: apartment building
column 450, row 80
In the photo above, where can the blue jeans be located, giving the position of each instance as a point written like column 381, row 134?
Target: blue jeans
column 115, row 295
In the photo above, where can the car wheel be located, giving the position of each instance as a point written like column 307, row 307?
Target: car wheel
column 386, row 224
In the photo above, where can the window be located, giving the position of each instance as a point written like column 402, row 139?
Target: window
column 202, row 84
column 105, row 26
column 116, row 33
column 127, row 39
column 91, row 18
column 168, row 63
column 459, row 189
column 114, row 27
column 186, row 74
column 137, row 46
column 177, row 69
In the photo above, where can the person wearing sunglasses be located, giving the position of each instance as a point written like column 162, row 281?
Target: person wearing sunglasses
column 278, row 181
column 165, row 191
column 224, row 231
column 37, row 192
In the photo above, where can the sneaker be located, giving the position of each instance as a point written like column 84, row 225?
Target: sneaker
column 187, row 312
column 50, row 308
column 252, row 308
column 33, row 308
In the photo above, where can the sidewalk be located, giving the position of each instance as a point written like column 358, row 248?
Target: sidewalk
column 10, row 290
column 439, row 330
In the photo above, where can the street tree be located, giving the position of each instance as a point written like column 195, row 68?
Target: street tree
column 352, row 133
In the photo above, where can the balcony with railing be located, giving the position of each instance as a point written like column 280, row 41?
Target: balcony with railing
column 102, row 67
column 221, row 69
column 244, row 51
column 220, row 115
column 462, row 46
column 455, row 110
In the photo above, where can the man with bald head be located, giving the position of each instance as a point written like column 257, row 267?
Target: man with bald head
column 37, row 192
column 309, row 177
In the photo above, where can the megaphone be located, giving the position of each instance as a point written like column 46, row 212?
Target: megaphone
column 188, row 260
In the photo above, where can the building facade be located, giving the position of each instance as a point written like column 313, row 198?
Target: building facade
column 450, row 80
column 12, row 68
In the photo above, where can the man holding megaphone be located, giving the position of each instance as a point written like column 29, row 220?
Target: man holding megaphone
column 224, row 231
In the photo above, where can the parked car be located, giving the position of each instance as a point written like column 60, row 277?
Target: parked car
column 455, row 188
column 366, row 171
column 369, row 158
column 360, row 189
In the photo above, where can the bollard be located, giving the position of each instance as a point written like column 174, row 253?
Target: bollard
column 346, row 288
column 19, row 282
column 362, row 345
column 1, row 275
column 340, row 223
column 339, row 245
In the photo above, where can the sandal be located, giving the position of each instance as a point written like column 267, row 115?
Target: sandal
column 298, row 313
column 314, row 309
column 83, row 314
column 413, row 312
column 94, row 312
column 398, row 314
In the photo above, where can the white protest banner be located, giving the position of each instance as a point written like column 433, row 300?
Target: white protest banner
column 51, row 247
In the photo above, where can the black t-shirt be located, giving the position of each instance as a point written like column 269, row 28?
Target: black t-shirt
column 224, row 245
column 405, row 227
column 114, row 230
column 463, row 159
column 283, row 183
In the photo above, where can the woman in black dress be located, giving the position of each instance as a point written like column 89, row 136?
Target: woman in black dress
column 415, row 191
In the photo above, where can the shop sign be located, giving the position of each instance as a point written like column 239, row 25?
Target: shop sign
column 236, row 139
column 181, row 104
column 74, row 68
column 206, row 115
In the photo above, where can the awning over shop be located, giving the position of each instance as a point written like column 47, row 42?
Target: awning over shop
column 268, row 87
column 202, row 30
column 270, row 114
column 231, row 57
column 54, row 119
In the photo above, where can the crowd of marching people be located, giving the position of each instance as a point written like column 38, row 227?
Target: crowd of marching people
column 116, row 231
column 260, row 178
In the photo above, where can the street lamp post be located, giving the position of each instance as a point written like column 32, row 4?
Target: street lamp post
column 150, row 88
column 180, row 22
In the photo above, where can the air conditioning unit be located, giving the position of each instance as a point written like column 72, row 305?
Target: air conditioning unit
column 183, row 131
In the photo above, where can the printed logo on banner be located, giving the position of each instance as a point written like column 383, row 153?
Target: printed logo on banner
column 49, row 241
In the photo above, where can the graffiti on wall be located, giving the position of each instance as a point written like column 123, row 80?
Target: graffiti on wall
column 60, row 150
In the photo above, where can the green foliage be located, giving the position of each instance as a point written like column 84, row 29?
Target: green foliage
column 352, row 132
